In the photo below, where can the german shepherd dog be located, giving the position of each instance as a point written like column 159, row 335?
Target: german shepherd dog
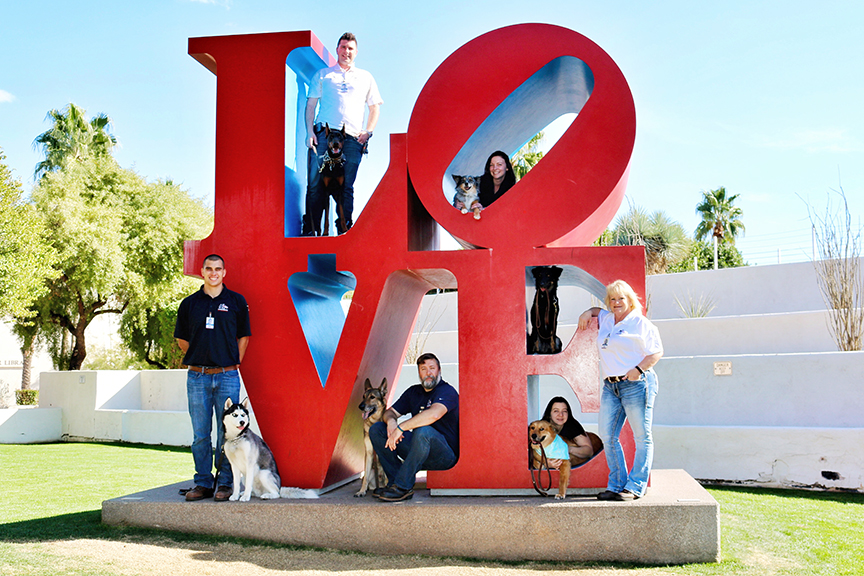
column 541, row 433
column 467, row 194
column 544, row 312
column 251, row 458
column 372, row 407
column 333, row 177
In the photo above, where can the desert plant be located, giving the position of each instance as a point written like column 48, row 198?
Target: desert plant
column 696, row 307
column 665, row 240
column 425, row 326
column 838, row 272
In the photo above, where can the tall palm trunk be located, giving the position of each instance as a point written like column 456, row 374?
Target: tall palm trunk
column 27, row 362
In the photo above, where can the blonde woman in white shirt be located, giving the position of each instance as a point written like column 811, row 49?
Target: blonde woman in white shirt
column 629, row 347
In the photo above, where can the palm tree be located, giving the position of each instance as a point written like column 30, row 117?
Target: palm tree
column 71, row 136
column 720, row 219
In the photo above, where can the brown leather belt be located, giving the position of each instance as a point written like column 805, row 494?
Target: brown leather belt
column 216, row 370
column 616, row 379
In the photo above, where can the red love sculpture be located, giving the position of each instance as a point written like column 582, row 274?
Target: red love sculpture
column 390, row 257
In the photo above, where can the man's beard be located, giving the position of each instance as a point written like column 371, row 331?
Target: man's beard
column 429, row 386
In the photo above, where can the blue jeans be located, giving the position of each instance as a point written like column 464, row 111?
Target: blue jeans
column 207, row 394
column 633, row 399
column 316, row 196
column 423, row 448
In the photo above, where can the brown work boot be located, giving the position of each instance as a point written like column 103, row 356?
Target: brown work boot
column 198, row 493
column 222, row 494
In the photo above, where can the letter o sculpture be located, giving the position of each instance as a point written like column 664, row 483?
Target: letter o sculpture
column 572, row 194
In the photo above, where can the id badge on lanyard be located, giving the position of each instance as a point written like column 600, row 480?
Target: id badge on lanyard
column 210, row 322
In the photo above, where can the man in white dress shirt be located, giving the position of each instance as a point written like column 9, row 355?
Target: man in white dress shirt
column 343, row 92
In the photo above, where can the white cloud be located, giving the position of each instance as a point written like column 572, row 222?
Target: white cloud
column 6, row 97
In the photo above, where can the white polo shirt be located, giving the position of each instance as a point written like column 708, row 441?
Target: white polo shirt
column 623, row 345
column 343, row 96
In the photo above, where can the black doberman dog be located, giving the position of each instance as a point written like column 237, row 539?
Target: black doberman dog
column 333, row 177
column 544, row 312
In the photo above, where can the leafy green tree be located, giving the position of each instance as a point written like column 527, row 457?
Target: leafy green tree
column 26, row 261
column 528, row 156
column 72, row 137
column 665, row 241
column 25, row 258
column 720, row 218
column 147, row 325
column 728, row 257
column 119, row 241
column 168, row 217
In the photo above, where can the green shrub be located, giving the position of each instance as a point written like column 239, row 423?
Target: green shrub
column 27, row 397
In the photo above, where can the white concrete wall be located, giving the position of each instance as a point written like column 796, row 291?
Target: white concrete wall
column 28, row 425
column 765, row 455
column 147, row 407
column 786, row 390
column 777, row 419
column 737, row 291
column 750, row 334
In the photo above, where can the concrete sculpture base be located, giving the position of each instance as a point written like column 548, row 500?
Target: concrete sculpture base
column 677, row 522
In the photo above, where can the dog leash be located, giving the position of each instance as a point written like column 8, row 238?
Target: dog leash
column 539, row 479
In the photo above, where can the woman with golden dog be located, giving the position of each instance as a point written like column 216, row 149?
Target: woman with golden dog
column 629, row 347
column 559, row 414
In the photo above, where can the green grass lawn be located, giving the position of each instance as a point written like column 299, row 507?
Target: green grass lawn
column 55, row 492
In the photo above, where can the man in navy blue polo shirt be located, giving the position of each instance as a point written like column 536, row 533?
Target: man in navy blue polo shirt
column 213, row 331
column 429, row 440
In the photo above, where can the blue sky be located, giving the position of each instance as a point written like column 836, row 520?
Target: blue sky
column 763, row 98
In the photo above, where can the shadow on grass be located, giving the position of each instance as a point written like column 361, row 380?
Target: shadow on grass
column 88, row 525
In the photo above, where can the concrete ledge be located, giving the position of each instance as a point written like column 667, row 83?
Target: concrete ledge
column 775, row 456
column 676, row 522
column 30, row 425
column 169, row 427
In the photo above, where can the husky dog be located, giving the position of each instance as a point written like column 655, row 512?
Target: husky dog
column 372, row 407
column 249, row 455
column 543, row 338
column 467, row 196
column 252, row 459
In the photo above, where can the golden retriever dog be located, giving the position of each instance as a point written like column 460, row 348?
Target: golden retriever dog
column 541, row 434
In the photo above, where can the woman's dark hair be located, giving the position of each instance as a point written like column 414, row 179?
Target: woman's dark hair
column 487, row 185
column 572, row 427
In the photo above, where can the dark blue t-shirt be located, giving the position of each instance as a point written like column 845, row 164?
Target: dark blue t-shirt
column 415, row 399
column 215, row 346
